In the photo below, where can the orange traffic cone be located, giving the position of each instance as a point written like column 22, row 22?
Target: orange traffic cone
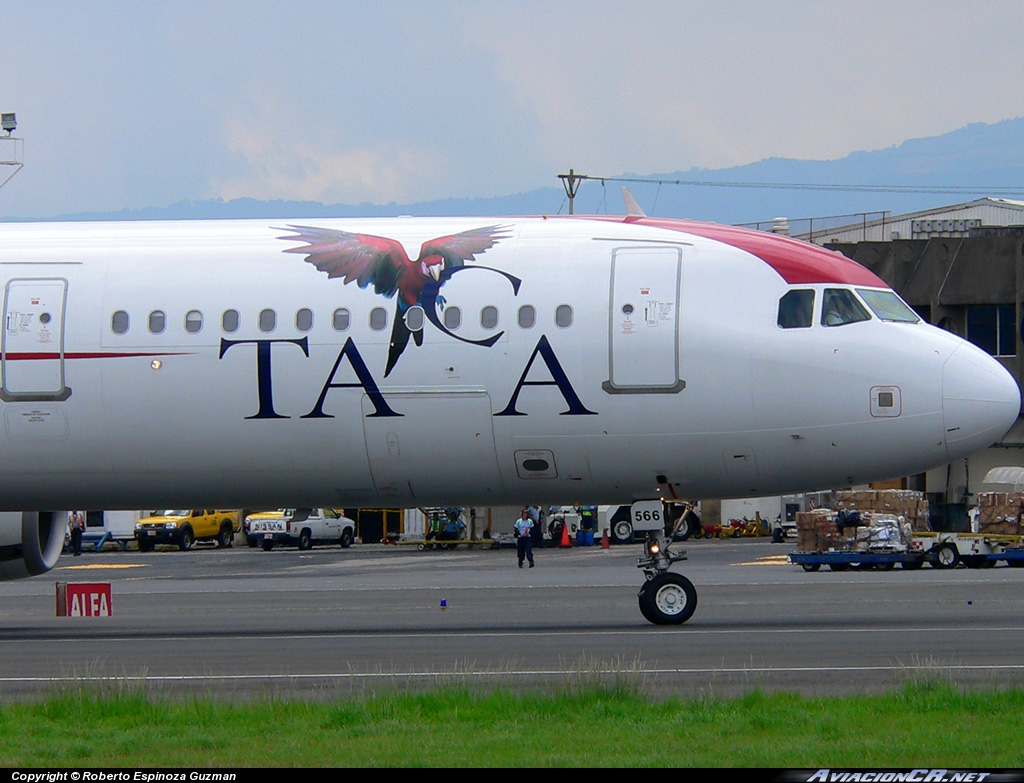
column 565, row 537
column 605, row 543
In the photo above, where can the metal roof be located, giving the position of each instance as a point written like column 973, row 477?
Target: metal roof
column 952, row 220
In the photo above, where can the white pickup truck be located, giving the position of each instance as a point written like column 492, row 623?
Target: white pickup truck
column 300, row 527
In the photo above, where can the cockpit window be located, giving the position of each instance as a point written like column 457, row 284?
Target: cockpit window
column 796, row 309
column 887, row 306
column 839, row 307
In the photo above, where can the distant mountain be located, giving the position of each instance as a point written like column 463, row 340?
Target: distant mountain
column 976, row 156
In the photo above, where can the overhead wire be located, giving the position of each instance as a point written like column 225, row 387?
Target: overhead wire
column 933, row 189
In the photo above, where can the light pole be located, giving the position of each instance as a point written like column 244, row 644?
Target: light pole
column 12, row 148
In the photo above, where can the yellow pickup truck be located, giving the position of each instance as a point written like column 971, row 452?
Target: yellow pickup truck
column 183, row 527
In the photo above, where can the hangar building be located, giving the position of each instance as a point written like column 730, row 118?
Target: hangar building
column 957, row 220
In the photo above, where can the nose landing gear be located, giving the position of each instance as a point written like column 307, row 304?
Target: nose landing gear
column 666, row 598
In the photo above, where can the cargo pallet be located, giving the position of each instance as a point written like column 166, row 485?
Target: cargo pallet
column 940, row 550
column 844, row 561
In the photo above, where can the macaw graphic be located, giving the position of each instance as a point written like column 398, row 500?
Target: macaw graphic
column 383, row 262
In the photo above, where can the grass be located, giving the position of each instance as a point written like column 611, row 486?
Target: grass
column 922, row 724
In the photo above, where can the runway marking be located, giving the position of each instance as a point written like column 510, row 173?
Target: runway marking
column 449, row 633
column 929, row 668
column 768, row 560
column 96, row 566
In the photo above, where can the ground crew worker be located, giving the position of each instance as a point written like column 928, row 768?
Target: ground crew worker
column 537, row 533
column 586, row 517
column 453, row 525
column 77, row 524
column 434, row 526
column 524, row 544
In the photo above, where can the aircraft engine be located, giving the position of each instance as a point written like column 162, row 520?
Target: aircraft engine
column 30, row 542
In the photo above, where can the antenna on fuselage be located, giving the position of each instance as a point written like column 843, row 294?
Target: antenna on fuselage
column 632, row 208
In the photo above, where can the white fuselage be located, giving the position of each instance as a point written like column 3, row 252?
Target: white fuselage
column 654, row 365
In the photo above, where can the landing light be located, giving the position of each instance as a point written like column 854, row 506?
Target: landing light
column 156, row 364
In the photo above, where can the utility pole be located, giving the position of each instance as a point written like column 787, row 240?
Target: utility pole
column 571, row 182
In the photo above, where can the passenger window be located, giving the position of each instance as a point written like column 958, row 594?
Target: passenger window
column 304, row 319
column 526, row 317
column 229, row 321
column 414, row 318
column 563, row 316
column 341, row 319
column 452, row 317
column 119, row 322
column 489, row 317
column 796, row 309
column 193, row 321
column 157, row 321
column 378, row 319
column 268, row 320
column 840, row 307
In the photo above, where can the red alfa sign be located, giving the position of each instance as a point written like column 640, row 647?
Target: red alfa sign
column 84, row 599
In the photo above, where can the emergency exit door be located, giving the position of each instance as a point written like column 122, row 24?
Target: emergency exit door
column 32, row 349
column 644, row 321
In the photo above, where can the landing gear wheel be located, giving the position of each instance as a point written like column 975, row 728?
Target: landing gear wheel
column 811, row 566
column 668, row 599
column 305, row 540
column 945, row 556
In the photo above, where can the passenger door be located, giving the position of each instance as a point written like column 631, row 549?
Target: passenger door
column 644, row 321
column 32, row 349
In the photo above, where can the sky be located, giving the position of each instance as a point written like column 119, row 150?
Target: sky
column 134, row 105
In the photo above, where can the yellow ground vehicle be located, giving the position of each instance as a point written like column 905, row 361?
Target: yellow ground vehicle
column 185, row 526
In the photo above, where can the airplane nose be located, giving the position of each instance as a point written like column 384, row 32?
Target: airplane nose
column 980, row 401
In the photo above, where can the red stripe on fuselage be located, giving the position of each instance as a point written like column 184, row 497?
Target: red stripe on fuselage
column 798, row 263
column 13, row 357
